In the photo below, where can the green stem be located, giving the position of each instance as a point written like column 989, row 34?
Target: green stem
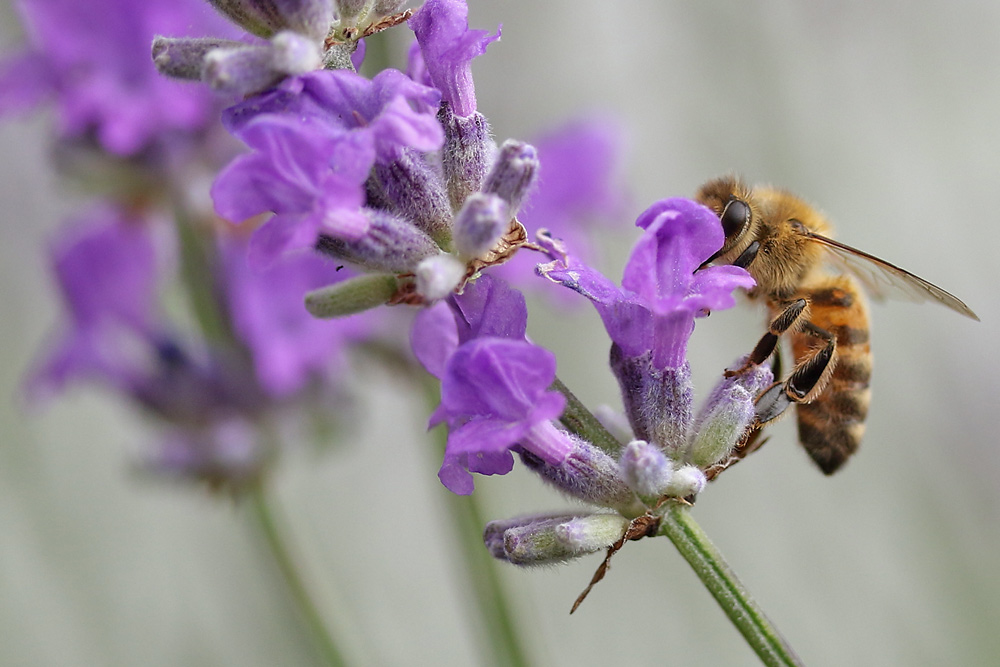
column 582, row 422
column 490, row 596
column 493, row 607
column 198, row 266
column 278, row 546
column 727, row 590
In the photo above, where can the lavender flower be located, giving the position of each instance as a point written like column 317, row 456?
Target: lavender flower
column 92, row 59
column 661, row 293
column 209, row 397
column 106, row 266
column 649, row 320
column 494, row 383
column 652, row 316
column 287, row 38
column 289, row 348
column 448, row 47
column 316, row 138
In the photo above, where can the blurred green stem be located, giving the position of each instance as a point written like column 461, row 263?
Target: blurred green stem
column 199, row 258
column 494, row 609
column 727, row 590
column 277, row 544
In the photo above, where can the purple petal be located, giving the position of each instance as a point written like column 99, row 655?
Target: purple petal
column 626, row 318
column 93, row 58
column 490, row 307
column 454, row 473
column 107, row 269
column 448, row 46
column 434, row 337
column 681, row 235
column 497, row 378
column 288, row 345
column 392, row 111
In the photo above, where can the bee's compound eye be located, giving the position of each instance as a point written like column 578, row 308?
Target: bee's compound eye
column 735, row 217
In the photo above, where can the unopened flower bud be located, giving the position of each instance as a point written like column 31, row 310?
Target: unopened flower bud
column 726, row 415
column 183, row 57
column 588, row 474
column 415, row 191
column 390, row 245
column 348, row 10
column 493, row 534
column 587, row 534
column 264, row 18
column 295, row 54
column 351, row 296
column 241, row 71
column 559, row 539
column 438, row 276
column 387, row 7
column 479, row 225
column 646, row 469
column 686, row 481
column 513, row 173
column 468, row 152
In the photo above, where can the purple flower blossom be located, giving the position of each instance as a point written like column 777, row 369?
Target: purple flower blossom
column 207, row 395
column 106, row 267
column 93, row 59
column 448, row 47
column 488, row 308
column 662, row 293
column 315, row 140
column 494, row 383
column 494, row 395
column 289, row 347
column 393, row 111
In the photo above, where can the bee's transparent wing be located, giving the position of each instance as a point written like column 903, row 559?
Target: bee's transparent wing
column 885, row 280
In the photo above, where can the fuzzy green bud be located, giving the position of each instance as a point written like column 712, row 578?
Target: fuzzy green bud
column 351, row 296
column 558, row 539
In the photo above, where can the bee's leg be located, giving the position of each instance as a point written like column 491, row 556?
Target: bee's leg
column 806, row 382
column 789, row 318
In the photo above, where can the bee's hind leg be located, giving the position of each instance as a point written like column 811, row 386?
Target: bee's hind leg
column 806, row 382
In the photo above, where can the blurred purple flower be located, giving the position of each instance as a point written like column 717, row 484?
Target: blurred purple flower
column 289, row 347
column 662, row 293
column 207, row 395
column 92, row 58
column 107, row 268
column 448, row 47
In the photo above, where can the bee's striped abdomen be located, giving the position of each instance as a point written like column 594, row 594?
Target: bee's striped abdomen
column 831, row 427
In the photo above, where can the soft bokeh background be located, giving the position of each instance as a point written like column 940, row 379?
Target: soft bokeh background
column 885, row 116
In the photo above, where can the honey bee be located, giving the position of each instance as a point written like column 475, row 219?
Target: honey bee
column 784, row 244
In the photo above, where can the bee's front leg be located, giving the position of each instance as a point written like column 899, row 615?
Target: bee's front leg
column 792, row 316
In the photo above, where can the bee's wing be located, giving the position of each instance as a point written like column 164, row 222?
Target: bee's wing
column 884, row 280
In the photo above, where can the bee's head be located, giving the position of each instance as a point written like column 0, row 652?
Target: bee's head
column 730, row 199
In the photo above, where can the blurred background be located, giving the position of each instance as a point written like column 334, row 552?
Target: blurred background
column 884, row 116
